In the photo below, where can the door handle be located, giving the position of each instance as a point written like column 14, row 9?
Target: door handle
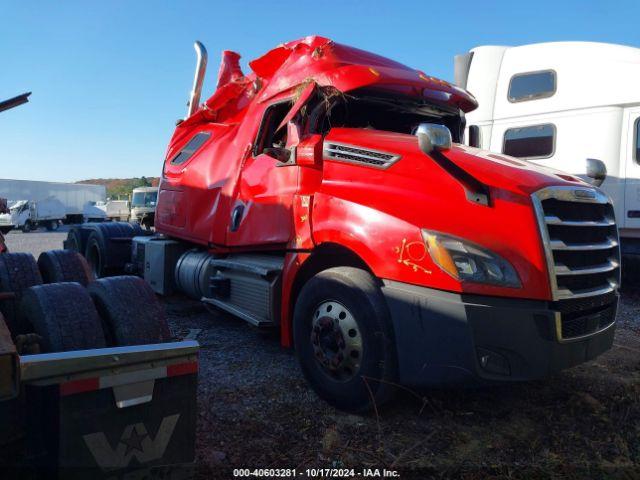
column 236, row 217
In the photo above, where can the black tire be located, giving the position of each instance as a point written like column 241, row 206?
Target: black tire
column 27, row 227
column 64, row 316
column 76, row 240
column 357, row 292
column 94, row 254
column 130, row 311
column 5, row 230
column 52, row 225
column 18, row 272
column 64, row 266
column 147, row 224
column 108, row 247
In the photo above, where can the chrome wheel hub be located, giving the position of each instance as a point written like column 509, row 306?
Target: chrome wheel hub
column 336, row 341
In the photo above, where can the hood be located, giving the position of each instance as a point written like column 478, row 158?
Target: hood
column 394, row 199
column 496, row 171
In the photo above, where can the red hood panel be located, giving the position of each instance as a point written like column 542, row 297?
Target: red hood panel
column 417, row 192
column 495, row 170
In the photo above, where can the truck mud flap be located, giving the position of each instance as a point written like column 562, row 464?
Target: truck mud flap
column 126, row 423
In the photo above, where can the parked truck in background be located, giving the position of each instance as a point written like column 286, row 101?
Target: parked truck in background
column 115, row 210
column 30, row 215
column 545, row 103
column 327, row 194
column 77, row 198
column 143, row 206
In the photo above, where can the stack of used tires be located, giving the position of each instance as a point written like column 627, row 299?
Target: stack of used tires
column 105, row 246
column 59, row 299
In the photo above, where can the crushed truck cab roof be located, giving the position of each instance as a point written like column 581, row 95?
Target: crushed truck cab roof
column 327, row 64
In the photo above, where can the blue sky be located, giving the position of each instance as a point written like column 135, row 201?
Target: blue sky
column 110, row 78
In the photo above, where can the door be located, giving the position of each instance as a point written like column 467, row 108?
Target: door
column 261, row 213
column 630, row 153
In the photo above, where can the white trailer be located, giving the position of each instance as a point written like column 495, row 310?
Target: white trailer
column 77, row 198
column 560, row 104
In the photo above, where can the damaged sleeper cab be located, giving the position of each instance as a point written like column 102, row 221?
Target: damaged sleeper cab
column 327, row 194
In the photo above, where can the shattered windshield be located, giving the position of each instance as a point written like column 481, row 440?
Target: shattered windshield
column 383, row 111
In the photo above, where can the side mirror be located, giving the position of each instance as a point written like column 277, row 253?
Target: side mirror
column 596, row 171
column 432, row 136
column 475, row 139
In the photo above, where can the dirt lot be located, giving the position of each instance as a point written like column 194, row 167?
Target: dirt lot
column 257, row 411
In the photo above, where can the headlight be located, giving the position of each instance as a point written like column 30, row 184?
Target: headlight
column 468, row 262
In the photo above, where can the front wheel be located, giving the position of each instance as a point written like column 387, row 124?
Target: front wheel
column 344, row 339
column 27, row 227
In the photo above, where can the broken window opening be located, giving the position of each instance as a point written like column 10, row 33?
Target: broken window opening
column 370, row 109
column 269, row 136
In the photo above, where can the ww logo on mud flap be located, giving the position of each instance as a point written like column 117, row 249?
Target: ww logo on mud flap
column 134, row 442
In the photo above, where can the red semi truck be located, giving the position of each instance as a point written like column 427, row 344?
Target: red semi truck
column 327, row 193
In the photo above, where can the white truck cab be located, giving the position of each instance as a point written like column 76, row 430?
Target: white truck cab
column 29, row 215
column 143, row 206
column 559, row 104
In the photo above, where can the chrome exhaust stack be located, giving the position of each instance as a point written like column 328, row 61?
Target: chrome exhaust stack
column 198, row 80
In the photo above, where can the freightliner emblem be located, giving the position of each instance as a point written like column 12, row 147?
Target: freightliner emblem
column 584, row 194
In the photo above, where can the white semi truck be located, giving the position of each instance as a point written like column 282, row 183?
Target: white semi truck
column 78, row 199
column 573, row 106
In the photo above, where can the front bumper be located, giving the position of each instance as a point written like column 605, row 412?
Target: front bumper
column 447, row 338
column 6, row 221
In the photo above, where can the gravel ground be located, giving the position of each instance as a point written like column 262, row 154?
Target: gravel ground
column 256, row 410
column 37, row 241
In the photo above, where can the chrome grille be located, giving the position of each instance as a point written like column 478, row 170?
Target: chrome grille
column 354, row 154
column 581, row 241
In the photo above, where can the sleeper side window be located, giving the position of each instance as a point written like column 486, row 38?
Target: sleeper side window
column 532, row 142
column 190, row 148
column 532, row 85
column 268, row 137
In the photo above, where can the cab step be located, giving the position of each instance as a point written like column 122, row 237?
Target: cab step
column 247, row 286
